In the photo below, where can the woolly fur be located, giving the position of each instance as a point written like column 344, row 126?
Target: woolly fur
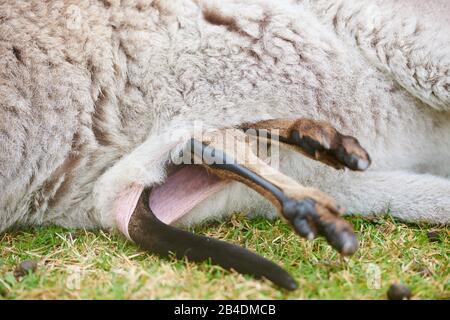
column 94, row 95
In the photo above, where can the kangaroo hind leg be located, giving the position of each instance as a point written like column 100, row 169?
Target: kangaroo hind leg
column 315, row 139
column 309, row 211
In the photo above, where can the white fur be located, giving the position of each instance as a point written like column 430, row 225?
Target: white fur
column 105, row 82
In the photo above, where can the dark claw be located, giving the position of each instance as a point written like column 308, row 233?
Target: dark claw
column 313, row 143
column 296, row 212
column 349, row 243
column 352, row 161
column 339, row 154
column 303, row 228
column 342, row 239
column 307, row 222
column 290, row 210
column 293, row 209
column 303, row 143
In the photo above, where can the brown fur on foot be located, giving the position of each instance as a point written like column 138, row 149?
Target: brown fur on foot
column 317, row 140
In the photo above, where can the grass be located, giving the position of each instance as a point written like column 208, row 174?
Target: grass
column 79, row 264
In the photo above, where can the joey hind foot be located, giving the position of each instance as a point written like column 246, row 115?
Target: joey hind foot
column 309, row 218
column 317, row 140
column 309, row 211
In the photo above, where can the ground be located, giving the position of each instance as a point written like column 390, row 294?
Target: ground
column 79, row 264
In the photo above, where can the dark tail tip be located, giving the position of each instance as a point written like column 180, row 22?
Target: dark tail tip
column 153, row 235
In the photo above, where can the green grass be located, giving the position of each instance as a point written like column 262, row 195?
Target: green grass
column 78, row 264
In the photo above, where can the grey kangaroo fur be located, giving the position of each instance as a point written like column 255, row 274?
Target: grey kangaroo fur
column 90, row 90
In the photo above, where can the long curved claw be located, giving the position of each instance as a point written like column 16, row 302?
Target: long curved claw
column 151, row 234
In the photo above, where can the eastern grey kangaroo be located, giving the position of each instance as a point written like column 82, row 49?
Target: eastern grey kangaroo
column 97, row 96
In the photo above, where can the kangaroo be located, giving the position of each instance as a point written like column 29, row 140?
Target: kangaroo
column 98, row 100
